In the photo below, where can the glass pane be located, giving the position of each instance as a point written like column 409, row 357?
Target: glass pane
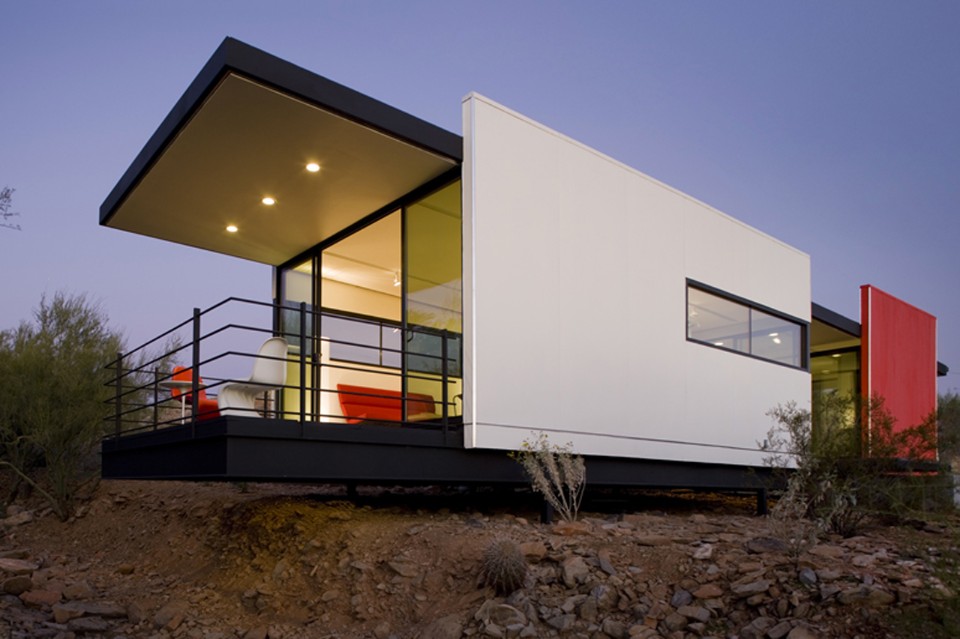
column 297, row 287
column 434, row 266
column 776, row 339
column 425, row 353
column 392, row 341
column 361, row 273
column 717, row 321
column 352, row 340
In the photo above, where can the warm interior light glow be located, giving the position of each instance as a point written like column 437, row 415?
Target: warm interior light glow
column 269, row 201
column 313, row 167
column 231, row 228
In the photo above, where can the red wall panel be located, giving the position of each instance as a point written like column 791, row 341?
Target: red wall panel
column 899, row 356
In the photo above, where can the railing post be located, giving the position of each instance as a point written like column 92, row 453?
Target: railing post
column 156, row 396
column 444, row 391
column 195, row 373
column 303, row 365
column 118, row 395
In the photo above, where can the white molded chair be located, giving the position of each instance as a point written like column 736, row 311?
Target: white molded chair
column 269, row 373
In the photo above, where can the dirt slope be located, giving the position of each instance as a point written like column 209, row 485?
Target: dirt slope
column 218, row 561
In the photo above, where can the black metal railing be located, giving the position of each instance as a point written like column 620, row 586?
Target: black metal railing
column 412, row 367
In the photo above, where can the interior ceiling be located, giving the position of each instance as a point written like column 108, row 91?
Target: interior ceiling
column 826, row 337
column 248, row 141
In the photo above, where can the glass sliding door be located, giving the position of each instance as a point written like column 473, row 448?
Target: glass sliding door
column 433, row 300
column 360, row 326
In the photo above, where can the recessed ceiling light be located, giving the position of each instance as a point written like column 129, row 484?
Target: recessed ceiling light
column 313, row 167
column 835, row 355
column 774, row 334
column 776, row 340
column 718, row 343
column 231, row 228
column 269, row 201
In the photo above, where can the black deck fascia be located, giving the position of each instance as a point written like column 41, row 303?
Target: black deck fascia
column 250, row 449
column 234, row 56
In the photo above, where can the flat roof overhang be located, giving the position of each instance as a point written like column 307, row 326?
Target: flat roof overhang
column 830, row 329
column 245, row 129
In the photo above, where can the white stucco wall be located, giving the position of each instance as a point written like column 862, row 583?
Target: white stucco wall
column 575, row 272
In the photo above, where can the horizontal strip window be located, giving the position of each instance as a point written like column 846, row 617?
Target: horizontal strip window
column 735, row 324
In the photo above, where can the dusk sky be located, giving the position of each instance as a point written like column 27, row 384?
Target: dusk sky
column 833, row 126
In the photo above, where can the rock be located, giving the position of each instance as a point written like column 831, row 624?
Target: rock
column 680, row 598
column 534, row 551
column 802, row 632
column 171, row 615
column 603, row 557
column 404, row 568
column 382, row 629
column 260, row 632
column 807, row 576
column 708, row 591
column 329, row 595
column 675, row 621
column 828, row 550
column 829, row 574
column 752, row 588
column 505, row 615
column 653, row 540
column 862, row 561
column 135, row 613
column 17, row 553
column 571, row 528
column 562, row 623
column 780, row 630
column 17, row 520
column 761, row 545
column 17, row 566
column 574, row 570
column 605, row 596
column 703, row 551
column 62, row 613
column 448, row 627
column 865, row 595
column 757, row 628
column 107, row 609
column 78, row 590
column 16, row 585
column 589, row 610
column 40, row 598
column 88, row 624
column 695, row 613
column 613, row 628
column 125, row 569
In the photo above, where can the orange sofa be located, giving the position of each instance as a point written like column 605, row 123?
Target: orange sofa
column 362, row 403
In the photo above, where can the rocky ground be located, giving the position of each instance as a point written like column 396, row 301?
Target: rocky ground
column 223, row 561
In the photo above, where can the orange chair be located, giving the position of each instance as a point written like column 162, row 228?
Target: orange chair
column 206, row 407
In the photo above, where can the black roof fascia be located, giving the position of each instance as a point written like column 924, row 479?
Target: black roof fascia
column 834, row 319
column 942, row 369
column 238, row 57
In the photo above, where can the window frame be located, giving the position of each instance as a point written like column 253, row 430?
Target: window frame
column 751, row 306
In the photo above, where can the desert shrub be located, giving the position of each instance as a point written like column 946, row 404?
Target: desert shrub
column 52, row 393
column 556, row 473
column 503, row 567
column 839, row 478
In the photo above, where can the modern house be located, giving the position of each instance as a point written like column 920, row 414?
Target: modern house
column 447, row 297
